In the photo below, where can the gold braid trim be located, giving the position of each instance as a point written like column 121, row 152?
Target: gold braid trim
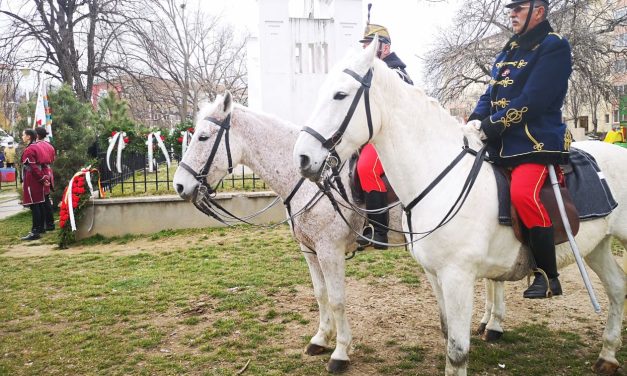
column 516, row 64
column 512, row 116
column 568, row 139
column 500, row 103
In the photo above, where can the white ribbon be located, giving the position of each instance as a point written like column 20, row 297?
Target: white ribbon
column 157, row 136
column 112, row 141
column 119, row 138
column 68, row 195
column 121, row 145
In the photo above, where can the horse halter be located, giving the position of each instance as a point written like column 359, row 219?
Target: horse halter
column 201, row 176
column 335, row 139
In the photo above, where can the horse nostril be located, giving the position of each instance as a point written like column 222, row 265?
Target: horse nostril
column 179, row 188
column 304, row 161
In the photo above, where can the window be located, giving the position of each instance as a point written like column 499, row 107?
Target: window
column 607, row 118
column 620, row 66
column 324, row 53
column 621, row 40
column 615, row 120
column 298, row 61
column 312, row 58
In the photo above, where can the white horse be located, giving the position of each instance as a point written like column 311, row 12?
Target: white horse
column 416, row 139
column 265, row 143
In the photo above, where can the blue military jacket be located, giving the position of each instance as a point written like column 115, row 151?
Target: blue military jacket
column 520, row 111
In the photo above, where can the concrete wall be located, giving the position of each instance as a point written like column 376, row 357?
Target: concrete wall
column 145, row 215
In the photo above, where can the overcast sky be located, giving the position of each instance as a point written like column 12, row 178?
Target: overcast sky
column 412, row 23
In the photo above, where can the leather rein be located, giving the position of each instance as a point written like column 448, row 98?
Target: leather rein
column 328, row 184
column 205, row 197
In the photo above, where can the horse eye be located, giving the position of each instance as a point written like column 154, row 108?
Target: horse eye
column 203, row 138
column 340, row 95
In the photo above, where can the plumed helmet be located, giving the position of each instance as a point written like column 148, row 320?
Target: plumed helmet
column 372, row 29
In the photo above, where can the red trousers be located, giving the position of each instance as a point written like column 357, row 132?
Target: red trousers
column 527, row 180
column 370, row 170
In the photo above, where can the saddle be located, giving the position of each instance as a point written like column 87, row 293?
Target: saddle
column 547, row 196
column 588, row 195
column 357, row 192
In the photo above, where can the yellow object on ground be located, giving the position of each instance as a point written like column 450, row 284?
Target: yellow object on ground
column 614, row 136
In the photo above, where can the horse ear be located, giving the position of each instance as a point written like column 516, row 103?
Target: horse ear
column 227, row 102
column 373, row 47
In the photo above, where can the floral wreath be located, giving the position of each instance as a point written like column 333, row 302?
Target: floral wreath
column 75, row 197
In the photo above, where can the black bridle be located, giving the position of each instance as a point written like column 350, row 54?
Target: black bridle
column 335, row 139
column 331, row 142
column 201, row 176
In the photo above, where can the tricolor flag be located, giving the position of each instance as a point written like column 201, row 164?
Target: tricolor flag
column 43, row 118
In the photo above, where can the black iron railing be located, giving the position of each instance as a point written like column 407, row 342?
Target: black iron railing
column 136, row 176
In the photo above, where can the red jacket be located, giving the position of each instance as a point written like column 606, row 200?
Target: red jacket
column 46, row 155
column 34, row 178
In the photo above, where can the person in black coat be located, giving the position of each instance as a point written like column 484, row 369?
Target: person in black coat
column 520, row 118
column 369, row 167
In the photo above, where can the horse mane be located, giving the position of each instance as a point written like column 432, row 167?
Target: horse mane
column 391, row 81
column 210, row 108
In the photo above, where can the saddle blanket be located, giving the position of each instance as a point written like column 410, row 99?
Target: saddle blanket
column 586, row 184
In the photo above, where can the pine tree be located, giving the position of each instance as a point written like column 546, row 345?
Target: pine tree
column 74, row 130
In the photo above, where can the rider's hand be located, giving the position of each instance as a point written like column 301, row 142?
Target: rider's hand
column 472, row 130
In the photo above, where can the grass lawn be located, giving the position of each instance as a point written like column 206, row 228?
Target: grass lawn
column 204, row 302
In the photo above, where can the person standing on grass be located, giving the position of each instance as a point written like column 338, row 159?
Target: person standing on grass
column 9, row 155
column 33, row 183
column 47, row 155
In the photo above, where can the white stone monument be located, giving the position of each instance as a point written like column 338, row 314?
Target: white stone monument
column 297, row 42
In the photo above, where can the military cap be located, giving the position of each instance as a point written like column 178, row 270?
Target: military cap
column 515, row 3
column 372, row 29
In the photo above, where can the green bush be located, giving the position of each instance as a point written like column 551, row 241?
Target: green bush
column 74, row 130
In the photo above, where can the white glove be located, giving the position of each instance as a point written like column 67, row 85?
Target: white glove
column 474, row 134
column 475, row 123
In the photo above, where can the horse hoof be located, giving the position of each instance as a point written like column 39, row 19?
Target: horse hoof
column 603, row 367
column 481, row 328
column 491, row 335
column 337, row 366
column 314, row 350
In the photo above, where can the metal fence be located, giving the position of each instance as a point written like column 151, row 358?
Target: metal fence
column 136, row 176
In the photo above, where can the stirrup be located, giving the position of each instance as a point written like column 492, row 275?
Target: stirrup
column 363, row 239
column 549, row 292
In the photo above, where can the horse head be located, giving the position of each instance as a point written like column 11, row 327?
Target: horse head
column 209, row 156
column 335, row 129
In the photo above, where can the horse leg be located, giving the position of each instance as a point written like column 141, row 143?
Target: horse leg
column 333, row 264
column 495, row 293
column 437, row 289
column 320, row 342
column 613, row 278
column 489, row 302
column 457, row 291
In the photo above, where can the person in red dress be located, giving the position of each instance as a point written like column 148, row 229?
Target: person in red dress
column 33, row 184
column 46, row 157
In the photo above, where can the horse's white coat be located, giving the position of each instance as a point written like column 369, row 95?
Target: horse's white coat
column 265, row 143
column 416, row 138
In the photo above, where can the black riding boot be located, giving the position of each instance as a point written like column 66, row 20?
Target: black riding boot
column 541, row 242
column 377, row 221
